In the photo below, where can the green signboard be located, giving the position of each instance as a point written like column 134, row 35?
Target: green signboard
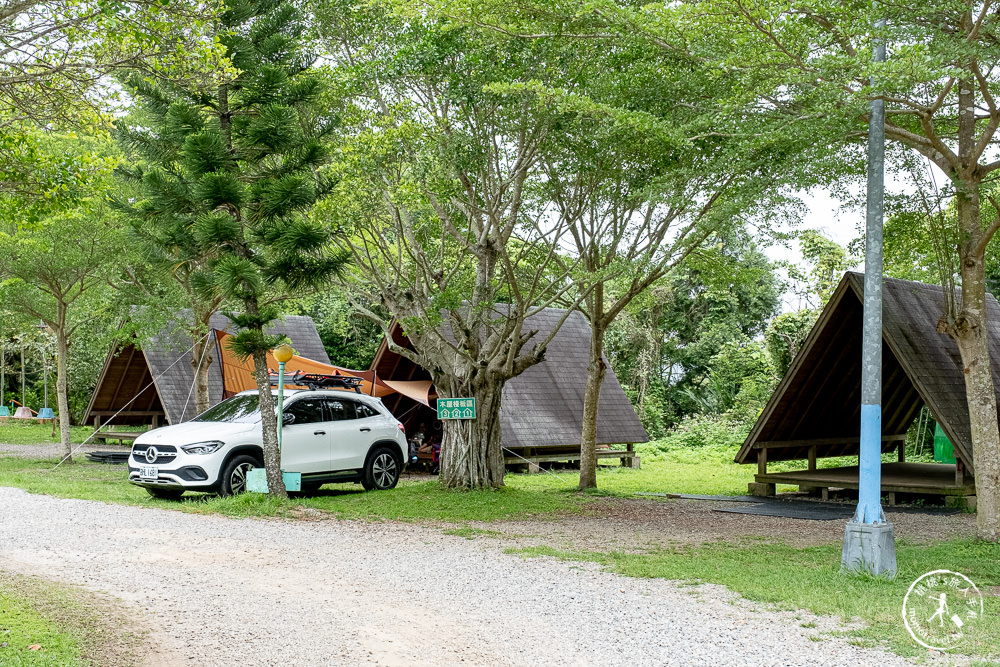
column 456, row 408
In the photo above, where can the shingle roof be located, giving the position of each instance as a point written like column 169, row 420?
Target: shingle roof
column 820, row 396
column 168, row 357
column 543, row 407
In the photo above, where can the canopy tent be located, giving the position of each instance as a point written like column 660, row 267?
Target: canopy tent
column 237, row 374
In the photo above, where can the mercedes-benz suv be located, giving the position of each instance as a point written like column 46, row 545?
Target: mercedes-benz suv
column 328, row 436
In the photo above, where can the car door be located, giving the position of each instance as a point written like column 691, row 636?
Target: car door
column 351, row 436
column 306, row 436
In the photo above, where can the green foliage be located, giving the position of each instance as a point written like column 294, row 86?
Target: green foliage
column 785, row 335
column 61, row 256
column 829, row 261
column 663, row 346
column 351, row 340
column 705, row 430
column 226, row 179
column 56, row 54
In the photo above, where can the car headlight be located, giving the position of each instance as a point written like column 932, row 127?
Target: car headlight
column 206, row 447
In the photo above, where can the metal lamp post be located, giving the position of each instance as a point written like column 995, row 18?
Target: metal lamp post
column 282, row 354
column 869, row 541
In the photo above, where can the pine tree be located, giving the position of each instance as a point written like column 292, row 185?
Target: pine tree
column 230, row 173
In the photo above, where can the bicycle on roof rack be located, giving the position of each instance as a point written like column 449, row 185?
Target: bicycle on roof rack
column 316, row 381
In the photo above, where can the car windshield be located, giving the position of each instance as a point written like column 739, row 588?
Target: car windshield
column 241, row 409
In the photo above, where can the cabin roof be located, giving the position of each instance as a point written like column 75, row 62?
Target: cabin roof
column 543, row 406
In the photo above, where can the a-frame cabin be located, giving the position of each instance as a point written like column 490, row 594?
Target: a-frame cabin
column 815, row 411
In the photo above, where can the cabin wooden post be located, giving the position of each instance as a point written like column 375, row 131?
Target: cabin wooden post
column 812, row 457
column 901, row 451
column 959, row 472
column 759, row 488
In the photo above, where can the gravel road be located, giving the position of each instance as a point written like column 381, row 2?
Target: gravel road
column 219, row 591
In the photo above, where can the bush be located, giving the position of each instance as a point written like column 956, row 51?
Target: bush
column 785, row 335
column 702, row 432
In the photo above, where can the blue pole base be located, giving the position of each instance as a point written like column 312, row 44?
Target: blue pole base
column 869, row 548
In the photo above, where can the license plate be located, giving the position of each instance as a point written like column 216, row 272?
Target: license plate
column 148, row 472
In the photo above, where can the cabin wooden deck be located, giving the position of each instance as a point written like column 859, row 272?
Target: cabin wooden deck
column 532, row 456
column 918, row 478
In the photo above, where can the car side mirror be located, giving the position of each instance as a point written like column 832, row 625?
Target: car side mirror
column 288, row 418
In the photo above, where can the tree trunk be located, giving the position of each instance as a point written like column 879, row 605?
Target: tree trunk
column 596, row 370
column 471, row 453
column 201, row 359
column 971, row 334
column 62, row 385
column 269, row 427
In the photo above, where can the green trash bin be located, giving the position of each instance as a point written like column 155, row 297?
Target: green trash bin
column 944, row 452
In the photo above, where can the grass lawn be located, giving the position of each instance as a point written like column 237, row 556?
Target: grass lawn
column 28, row 638
column 19, row 433
column 44, row 624
column 412, row 500
column 704, row 471
column 541, row 494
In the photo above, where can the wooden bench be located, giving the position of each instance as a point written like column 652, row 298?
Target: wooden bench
column 121, row 436
column 533, row 456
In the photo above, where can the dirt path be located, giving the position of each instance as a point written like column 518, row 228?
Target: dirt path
column 250, row 592
column 638, row 524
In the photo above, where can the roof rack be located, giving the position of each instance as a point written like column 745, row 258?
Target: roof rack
column 318, row 381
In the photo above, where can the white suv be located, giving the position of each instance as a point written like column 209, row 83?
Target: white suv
column 328, row 436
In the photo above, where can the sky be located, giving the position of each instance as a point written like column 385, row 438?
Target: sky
column 839, row 221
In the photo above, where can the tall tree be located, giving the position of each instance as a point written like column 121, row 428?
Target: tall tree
column 58, row 270
column 157, row 198
column 432, row 202
column 643, row 180
column 812, row 65
column 231, row 172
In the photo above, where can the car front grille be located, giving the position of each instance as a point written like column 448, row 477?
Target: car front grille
column 164, row 454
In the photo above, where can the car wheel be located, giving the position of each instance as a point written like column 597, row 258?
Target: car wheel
column 165, row 494
column 381, row 470
column 234, row 475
